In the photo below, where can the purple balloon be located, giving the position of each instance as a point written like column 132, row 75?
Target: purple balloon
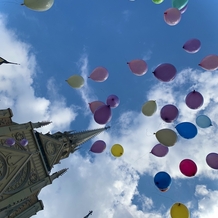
column 113, row 101
column 192, row 45
column 24, row 142
column 194, row 100
column 183, row 10
column 103, row 114
column 159, row 150
column 212, row 160
column 169, row 113
column 10, row 142
column 165, row 72
column 98, row 146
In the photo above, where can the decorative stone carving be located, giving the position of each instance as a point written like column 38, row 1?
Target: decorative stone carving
column 3, row 168
column 50, row 148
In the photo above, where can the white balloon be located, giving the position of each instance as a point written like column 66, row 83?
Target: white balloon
column 38, row 5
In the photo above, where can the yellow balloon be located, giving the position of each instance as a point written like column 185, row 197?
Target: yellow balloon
column 76, row 81
column 38, row 5
column 179, row 210
column 149, row 108
column 166, row 137
column 117, row 150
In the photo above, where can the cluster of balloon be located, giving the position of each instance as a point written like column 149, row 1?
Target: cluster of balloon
column 149, row 108
column 159, row 150
column 99, row 74
column 117, row 150
column 139, row 67
column 209, row 62
column 188, row 167
column 76, row 81
column 38, row 5
column 165, row 72
column 179, row 210
column 102, row 112
column 163, row 181
column 98, row 146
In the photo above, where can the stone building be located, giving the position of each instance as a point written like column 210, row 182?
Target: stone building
column 25, row 170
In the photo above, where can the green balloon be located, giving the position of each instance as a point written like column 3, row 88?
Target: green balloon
column 157, row 1
column 179, row 4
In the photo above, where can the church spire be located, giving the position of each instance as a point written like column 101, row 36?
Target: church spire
column 58, row 173
column 40, row 124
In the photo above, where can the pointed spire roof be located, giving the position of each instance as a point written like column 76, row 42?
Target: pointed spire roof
column 58, row 173
column 40, row 124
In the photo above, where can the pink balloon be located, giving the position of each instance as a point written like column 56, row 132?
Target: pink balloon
column 210, row 62
column 212, row 160
column 188, row 167
column 165, row 72
column 172, row 16
column 95, row 105
column 98, row 146
column 138, row 67
column 159, row 150
column 192, row 45
column 103, row 114
column 194, row 100
column 99, row 74
column 169, row 113
column 113, row 101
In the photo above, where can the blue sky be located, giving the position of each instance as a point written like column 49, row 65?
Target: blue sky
column 74, row 37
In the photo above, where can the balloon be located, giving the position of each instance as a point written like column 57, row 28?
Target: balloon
column 179, row 4
column 192, row 45
column 166, row 137
column 149, row 108
column 95, row 105
column 162, row 180
column 212, row 160
column 188, row 167
column 172, row 16
column 38, row 5
column 194, row 100
column 76, row 81
column 157, row 1
column 103, row 114
column 117, row 150
column 169, row 113
column 98, row 146
column 179, row 210
column 159, row 150
column 113, row 101
column 183, row 10
column 138, row 67
column 10, row 142
column 187, row 130
column 210, row 62
column 165, row 72
column 99, row 74
column 24, row 142
column 203, row 121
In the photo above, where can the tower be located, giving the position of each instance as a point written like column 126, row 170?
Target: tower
column 25, row 170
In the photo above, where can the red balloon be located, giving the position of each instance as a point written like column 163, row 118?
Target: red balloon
column 212, row 160
column 188, row 167
column 160, row 150
column 165, row 72
column 172, row 16
column 169, row 113
column 113, row 101
column 103, row 114
column 194, row 100
column 98, row 146
column 95, row 105
column 138, row 67
column 210, row 62
column 99, row 74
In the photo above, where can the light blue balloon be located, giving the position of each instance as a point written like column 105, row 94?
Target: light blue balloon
column 187, row 130
column 179, row 4
column 203, row 121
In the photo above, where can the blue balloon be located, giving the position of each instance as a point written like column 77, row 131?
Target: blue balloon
column 187, row 130
column 203, row 121
column 162, row 180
